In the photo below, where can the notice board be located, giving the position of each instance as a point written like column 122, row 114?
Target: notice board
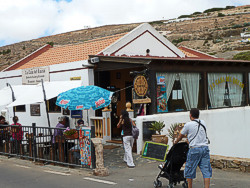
column 155, row 151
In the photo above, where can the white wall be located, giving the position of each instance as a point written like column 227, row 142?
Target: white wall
column 59, row 72
column 228, row 129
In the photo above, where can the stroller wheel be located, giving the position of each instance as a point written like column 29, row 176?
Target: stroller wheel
column 185, row 185
column 157, row 183
column 170, row 186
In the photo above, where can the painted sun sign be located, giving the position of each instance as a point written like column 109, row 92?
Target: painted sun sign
column 228, row 79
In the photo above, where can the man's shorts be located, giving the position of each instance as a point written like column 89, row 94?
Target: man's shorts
column 198, row 156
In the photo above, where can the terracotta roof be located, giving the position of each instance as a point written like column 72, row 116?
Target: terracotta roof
column 71, row 53
column 191, row 53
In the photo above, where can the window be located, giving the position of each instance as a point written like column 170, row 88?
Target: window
column 178, row 91
column 20, row 108
column 52, row 107
column 225, row 89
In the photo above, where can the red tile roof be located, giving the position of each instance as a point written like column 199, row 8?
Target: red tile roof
column 191, row 53
column 70, row 53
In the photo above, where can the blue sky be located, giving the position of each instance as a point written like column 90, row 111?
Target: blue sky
column 31, row 19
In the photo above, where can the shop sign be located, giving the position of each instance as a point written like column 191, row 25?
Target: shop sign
column 34, row 76
column 142, row 101
column 228, row 79
column 75, row 78
column 140, row 85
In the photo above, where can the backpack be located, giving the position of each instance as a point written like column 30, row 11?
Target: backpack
column 135, row 131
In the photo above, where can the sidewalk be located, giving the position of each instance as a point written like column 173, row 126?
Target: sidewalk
column 113, row 158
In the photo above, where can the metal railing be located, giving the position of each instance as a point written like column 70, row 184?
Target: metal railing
column 43, row 144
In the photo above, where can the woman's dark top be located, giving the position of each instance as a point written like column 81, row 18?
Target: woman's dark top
column 127, row 128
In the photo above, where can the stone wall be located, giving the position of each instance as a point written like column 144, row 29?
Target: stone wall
column 222, row 162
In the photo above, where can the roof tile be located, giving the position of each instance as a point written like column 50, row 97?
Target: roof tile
column 71, row 53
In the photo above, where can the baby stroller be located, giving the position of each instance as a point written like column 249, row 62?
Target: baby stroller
column 176, row 157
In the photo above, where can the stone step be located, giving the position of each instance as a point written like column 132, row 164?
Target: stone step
column 114, row 141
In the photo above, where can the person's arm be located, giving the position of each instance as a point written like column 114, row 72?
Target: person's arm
column 179, row 138
column 120, row 122
column 133, row 123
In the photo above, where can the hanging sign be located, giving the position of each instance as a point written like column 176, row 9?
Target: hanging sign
column 140, row 85
column 161, row 95
column 34, row 76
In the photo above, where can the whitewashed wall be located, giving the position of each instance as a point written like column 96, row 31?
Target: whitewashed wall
column 228, row 129
column 59, row 72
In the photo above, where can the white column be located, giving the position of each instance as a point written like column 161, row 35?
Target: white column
column 106, row 114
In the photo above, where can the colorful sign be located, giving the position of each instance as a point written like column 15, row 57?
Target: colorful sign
column 228, row 79
column 85, row 146
column 161, row 80
column 161, row 96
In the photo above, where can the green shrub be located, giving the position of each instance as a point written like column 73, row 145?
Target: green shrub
column 213, row 10
column 220, row 14
column 229, row 7
column 246, row 24
column 236, row 26
column 50, row 43
column 185, row 16
column 156, row 22
column 242, row 56
column 195, row 13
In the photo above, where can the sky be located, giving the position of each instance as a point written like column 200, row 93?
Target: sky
column 22, row 20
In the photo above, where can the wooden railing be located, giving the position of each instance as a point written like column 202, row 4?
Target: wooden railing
column 98, row 123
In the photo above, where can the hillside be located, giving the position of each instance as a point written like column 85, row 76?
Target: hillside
column 213, row 32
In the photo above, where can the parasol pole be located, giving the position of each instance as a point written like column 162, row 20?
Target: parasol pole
column 46, row 106
column 13, row 98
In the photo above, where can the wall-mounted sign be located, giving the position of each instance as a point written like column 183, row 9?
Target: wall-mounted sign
column 76, row 113
column 35, row 110
column 34, row 76
column 142, row 101
column 75, row 78
column 140, row 85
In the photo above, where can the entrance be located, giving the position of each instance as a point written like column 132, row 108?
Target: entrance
column 121, row 83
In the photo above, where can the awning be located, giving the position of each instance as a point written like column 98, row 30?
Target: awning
column 35, row 94
column 6, row 94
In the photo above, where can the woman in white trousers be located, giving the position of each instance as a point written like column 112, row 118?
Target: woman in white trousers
column 126, row 123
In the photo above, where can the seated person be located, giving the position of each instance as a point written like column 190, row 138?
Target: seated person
column 80, row 123
column 61, row 124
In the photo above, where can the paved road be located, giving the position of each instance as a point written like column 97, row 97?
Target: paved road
column 16, row 173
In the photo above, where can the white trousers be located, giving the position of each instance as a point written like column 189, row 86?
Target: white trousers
column 128, row 142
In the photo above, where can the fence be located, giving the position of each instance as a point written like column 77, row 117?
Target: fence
column 47, row 145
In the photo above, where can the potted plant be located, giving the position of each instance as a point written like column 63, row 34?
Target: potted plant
column 171, row 131
column 158, row 127
column 70, row 133
column 174, row 130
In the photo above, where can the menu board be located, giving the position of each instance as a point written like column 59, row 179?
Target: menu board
column 155, row 151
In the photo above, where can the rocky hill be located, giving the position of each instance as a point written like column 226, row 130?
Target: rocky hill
column 216, row 32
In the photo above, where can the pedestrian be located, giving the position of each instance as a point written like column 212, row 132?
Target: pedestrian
column 126, row 123
column 198, row 154
column 16, row 136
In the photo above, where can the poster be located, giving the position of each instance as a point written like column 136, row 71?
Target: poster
column 35, row 110
column 85, row 146
column 161, row 95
